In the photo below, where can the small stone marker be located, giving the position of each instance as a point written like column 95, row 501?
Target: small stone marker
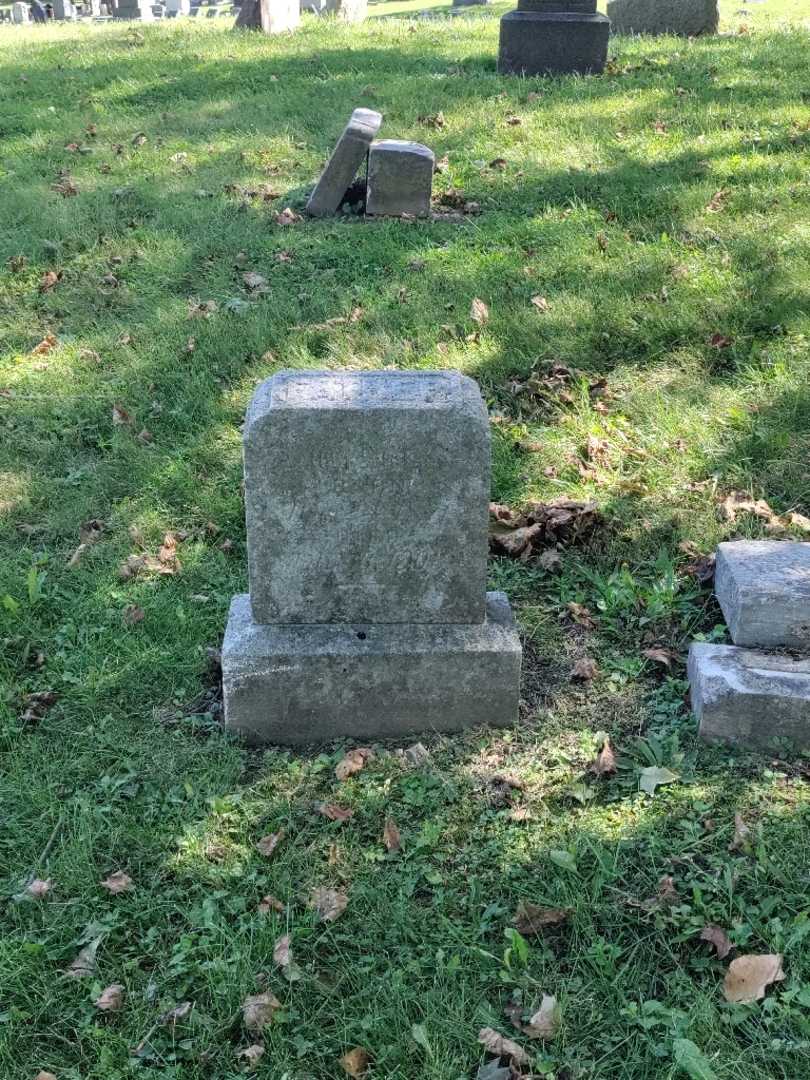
column 553, row 37
column 347, row 157
column 749, row 698
column 367, row 497
column 352, row 11
column 763, row 587
column 686, row 17
column 746, row 696
column 400, row 178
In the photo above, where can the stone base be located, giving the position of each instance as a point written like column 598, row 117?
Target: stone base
column 314, row 683
column 552, row 43
column 749, row 698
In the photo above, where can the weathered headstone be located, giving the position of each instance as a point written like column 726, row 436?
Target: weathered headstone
column 686, row 17
column 63, row 9
column 134, row 9
column 270, row 16
column 177, row 7
column 19, row 12
column 763, row 587
column 749, row 698
column 367, row 497
column 400, row 179
column 347, row 157
column 353, row 11
column 553, row 37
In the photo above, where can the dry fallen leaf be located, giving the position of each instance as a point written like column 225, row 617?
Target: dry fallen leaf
column 391, row 837
column 355, row 1062
column 743, row 836
column 119, row 882
column 49, row 280
column 84, row 964
column 43, row 1074
column 748, row 976
column 111, row 998
column 48, row 343
column 503, row 1047
column 133, row 615
column 257, row 1010
column 534, row 918
column 269, row 903
column 37, row 704
column 287, row 217
column 660, row 655
column 328, row 903
column 545, row 1022
column 252, row 1055
column 268, row 844
column 179, row 1012
column 540, row 303
column 479, row 312
column 39, row 888
column 334, row 812
column 253, row 280
column 717, row 936
column 352, row 762
column 584, row 669
column 605, row 762
column 282, row 956
column 120, row 416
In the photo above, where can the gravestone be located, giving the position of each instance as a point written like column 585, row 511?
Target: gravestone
column 687, row 17
column 763, row 587
column 400, row 179
column 367, row 513
column 352, row 11
column 19, row 12
column 348, row 156
column 553, row 37
column 63, row 9
column 177, row 7
column 134, row 9
column 470, row 3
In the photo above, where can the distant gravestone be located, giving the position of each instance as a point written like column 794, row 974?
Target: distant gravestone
column 19, row 12
column 400, row 179
column 352, row 11
column 270, row 16
column 134, row 9
column 553, row 37
column 367, row 506
column 348, row 156
column 686, row 17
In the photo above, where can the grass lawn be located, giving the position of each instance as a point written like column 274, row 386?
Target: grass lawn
column 662, row 212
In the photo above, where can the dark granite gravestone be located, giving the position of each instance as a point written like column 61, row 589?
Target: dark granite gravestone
column 553, row 37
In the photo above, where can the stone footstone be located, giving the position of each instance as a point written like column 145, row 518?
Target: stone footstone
column 299, row 684
column 749, row 698
column 400, row 179
column 553, row 37
column 347, row 157
column 763, row 587
column 686, row 17
column 366, row 497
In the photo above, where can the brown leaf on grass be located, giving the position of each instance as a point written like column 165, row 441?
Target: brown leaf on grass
column 540, row 303
column 133, row 615
column 49, row 279
column 178, row 1012
column 581, row 615
column 667, row 893
column 202, row 309
column 43, row 1074
column 435, row 120
column 268, row 844
column 479, row 312
column 111, row 998
column 604, row 764
column 391, row 837
column 258, row 1010
column 329, row 904
column 748, row 976
column 120, row 417
column 584, row 670
column 253, row 280
column 717, row 937
column 660, row 655
column 39, row 888
column 45, row 346
column 503, row 1047
column 334, row 812
column 118, row 883
column 717, row 201
column 545, row 1021
column 65, row 186
column 269, row 903
column 251, row 1055
column 743, row 839
column 542, row 525
column 287, row 217
column 738, row 502
column 37, row 704
column 355, row 1062
column 282, row 951
column 352, row 762
column 84, row 965
column 531, row 919
column 700, row 566
column 513, row 121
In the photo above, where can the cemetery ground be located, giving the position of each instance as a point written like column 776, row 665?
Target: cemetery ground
column 622, row 263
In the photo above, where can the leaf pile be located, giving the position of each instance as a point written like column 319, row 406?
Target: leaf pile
column 545, row 390
column 542, row 527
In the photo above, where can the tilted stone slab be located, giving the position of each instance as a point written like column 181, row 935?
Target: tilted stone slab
column 299, row 684
column 748, row 697
column 367, row 497
column 763, row 587
column 347, row 157
column 400, row 179
column 685, row 17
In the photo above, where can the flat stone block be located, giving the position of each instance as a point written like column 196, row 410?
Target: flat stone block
column 749, row 698
column 548, row 42
column 685, row 17
column 347, row 157
column 400, row 179
column 300, row 684
column 763, row 587
column 367, row 497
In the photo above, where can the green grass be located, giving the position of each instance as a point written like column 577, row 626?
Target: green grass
column 657, row 208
